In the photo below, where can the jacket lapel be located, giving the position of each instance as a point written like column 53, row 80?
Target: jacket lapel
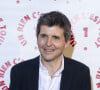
column 66, row 76
column 65, row 79
column 35, row 74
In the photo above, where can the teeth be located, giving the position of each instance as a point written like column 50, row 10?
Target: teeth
column 49, row 50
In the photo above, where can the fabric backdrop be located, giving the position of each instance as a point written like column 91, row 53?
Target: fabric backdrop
column 18, row 19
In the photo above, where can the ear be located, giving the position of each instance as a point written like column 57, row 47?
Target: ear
column 67, row 43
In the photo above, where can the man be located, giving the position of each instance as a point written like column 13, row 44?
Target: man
column 51, row 70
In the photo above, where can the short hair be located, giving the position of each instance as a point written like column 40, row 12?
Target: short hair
column 55, row 18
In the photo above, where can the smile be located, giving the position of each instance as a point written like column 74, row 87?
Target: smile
column 49, row 50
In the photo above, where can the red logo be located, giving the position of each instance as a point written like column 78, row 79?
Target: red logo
column 4, row 68
column 72, row 40
column 96, row 19
column 2, row 31
column 23, row 22
column 98, row 78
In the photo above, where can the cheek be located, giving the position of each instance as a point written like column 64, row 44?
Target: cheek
column 60, row 45
column 41, row 43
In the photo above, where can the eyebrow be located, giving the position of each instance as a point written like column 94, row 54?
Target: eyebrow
column 43, row 34
column 55, row 36
column 52, row 35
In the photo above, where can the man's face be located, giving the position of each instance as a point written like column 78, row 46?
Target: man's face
column 51, row 42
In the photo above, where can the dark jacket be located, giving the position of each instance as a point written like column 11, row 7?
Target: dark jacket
column 25, row 76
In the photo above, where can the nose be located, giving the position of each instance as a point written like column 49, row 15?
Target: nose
column 49, row 42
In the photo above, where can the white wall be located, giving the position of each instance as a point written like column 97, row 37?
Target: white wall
column 18, row 19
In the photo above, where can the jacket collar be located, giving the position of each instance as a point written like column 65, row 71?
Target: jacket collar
column 65, row 79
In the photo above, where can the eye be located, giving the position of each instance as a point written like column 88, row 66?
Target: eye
column 43, row 35
column 56, row 37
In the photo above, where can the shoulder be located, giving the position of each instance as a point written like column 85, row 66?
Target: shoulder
column 75, row 65
column 26, row 65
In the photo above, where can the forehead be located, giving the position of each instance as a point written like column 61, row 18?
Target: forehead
column 51, row 30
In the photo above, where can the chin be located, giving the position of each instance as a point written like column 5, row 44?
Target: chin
column 48, row 59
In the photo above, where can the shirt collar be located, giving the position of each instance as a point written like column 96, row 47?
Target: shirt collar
column 43, row 68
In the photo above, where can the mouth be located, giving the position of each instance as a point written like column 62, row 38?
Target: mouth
column 49, row 50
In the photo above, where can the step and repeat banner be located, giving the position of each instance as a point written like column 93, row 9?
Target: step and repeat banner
column 18, row 20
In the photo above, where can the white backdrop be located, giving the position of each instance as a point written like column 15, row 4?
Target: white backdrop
column 18, row 19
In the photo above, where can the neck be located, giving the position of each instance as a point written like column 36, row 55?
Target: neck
column 53, row 66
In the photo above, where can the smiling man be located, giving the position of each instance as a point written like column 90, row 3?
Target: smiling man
column 51, row 70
